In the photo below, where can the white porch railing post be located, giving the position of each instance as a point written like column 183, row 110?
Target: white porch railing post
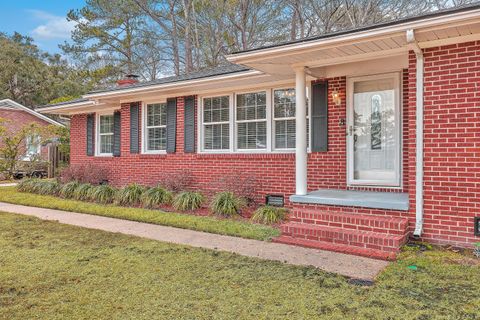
column 301, row 133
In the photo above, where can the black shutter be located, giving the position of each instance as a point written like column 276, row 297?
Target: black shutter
column 134, row 127
column 320, row 117
column 171, row 124
column 116, row 133
column 90, row 134
column 189, row 125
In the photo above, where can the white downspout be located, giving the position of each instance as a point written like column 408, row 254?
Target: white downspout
column 419, row 136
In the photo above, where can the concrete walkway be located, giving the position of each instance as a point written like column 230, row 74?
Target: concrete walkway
column 9, row 184
column 347, row 265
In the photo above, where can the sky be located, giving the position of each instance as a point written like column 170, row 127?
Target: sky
column 43, row 20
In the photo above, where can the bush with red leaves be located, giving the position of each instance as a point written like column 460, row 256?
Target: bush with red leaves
column 176, row 181
column 84, row 173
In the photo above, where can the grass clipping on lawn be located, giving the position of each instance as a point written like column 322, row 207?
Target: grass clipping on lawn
column 54, row 271
column 184, row 221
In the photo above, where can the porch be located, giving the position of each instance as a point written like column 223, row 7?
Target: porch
column 350, row 198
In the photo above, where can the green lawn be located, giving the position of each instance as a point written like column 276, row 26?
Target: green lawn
column 185, row 221
column 54, row 271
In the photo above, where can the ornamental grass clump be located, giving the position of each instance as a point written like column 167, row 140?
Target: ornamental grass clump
column 227, row 204
column 103, row 194
column 67, row 191
column 82, row 192
column 47, row 187
column 269, row 215
column 188, row 200
column 27, row 185
column 155, row 197
column 130, row 195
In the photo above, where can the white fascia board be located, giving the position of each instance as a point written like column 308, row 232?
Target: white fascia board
column 66, row 106
column 173, row 85
column 32, row 112
column 288, row 49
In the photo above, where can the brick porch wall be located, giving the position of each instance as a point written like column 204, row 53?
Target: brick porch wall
column 452, row 151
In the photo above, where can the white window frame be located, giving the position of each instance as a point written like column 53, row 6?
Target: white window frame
column 398, row 181
column 145, row 128
column 98, row 134
column 232, row 121
column 201, row 124
column 268, row 117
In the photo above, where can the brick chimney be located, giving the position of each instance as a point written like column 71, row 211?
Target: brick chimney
column 129, row 79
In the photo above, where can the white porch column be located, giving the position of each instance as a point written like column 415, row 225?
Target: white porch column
column 301, row 133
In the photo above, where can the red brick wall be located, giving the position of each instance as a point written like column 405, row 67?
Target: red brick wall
column 452, row 142
column 19, row 118
column 452, row 151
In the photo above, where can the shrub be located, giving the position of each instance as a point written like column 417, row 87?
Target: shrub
column 27, row 185
column 227, row 204
column 82, row 192
column 102, row 194
column 269, row 215
column 188, row 200
column 156, row 196
column 130, row 195
column 176, row 181
column 68, row 190
column 84, row 173
column 241, row 184
column 47, row 187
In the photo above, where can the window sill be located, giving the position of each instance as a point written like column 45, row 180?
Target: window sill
column 349, row 198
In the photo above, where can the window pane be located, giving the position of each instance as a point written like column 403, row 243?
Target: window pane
column 252, row 135
column 216, row 109
column 285, row 134
column 216, row 137
column 284, row 103
column 106, row 124
column 106, row 144
column 156, row 115
column 252, row 106
column 157, row 139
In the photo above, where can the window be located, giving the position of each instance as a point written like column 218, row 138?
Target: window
column 284, row 118
column 156, row 127
column 216, row 123
column 251, row 120
column 254, row 121
column 105, row 132
column 33, row 147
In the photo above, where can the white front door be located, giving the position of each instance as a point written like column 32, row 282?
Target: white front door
column 373, row 140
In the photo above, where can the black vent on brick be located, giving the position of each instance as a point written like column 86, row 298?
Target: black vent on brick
column 275, row 200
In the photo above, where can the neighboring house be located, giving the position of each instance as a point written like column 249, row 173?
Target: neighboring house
column 17, row 117
column 370, row 135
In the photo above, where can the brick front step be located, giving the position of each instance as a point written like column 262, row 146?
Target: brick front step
column 372, row 223
column 328, row 246
column 355, row 238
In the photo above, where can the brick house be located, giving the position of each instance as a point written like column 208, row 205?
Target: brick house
column 17, row 116
column 384, row 146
